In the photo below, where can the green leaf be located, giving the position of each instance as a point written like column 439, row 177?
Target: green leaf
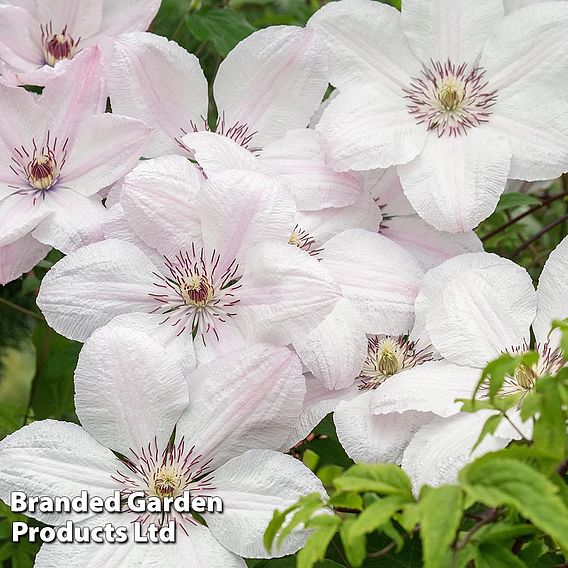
column 222, row 26
column 490, row 426
column 499, row 532
column 490, row 555
column 301, row 517
column 503, row 481
column 441, row 510
column 355, row 546
column 376, row 515
column 347, row 501
column 511, row 200
column 328, row 473
column 386, row 479
column 315, row 548
column 310, row 459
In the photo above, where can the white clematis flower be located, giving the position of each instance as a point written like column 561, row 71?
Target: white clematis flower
column 401, row 386
column 473, row 308
column 130, row 397
column 58, row 150
column 270, row 83
column 38, row 38
column 445, row 98
column 219, row 271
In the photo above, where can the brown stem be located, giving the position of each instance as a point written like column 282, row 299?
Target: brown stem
column 21, row 310
column 542, row 232
column 488, row 517
column 384, row 551
column 528, row 212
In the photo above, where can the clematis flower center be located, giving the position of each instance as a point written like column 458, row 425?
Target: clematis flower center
column 58, row 46
column 42, row 171
column 165, row 473
column 304, row 241
column 387, row 356
column 550, row 361
column 195, row 294
column 167, row 481
column 450, row 99
column 196, row 290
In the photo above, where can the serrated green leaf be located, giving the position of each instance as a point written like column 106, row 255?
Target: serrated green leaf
column 355, row 546
column 498, row 481
column 490, row 426
column 347, row 501
column 490, row 555
column 376, row 515
column 441, row 510
column 385, row 479
column 315, row 548
column 499, row 532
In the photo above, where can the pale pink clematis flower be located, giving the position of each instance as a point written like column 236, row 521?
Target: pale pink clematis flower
column 270, row 83
column 402, row 385
column 266, row 90
column 218, row 274
column 228, row 418
column 445, row 99
column 57, row 151
column 473, row 308
column 38, row 38
column 379, row 279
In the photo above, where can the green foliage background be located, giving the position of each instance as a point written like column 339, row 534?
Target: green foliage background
column 36, row 365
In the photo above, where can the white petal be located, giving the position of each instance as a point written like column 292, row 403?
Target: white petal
column 53, row 458
column 273, row 81
column 366, row 127
column 242, row 209
column 244, row 400
column 319, row 402
column 19, row 215
column 106, row 147
column 326, row 223
column 85, row 290
column 335, row 350
column 216, row 153
column 129, row 392
column 378, row 276
column 475, row 306
column 17, row 28
column 534, row 122
column 366, row 44
column 252, row 487
column 127, row 16
column 83, row 17
column 528, row 47
column 285, row 294
column 20, row 257
column 456, row 182
column 75, row 221
column 299, row 161
column 429, row 246
column 370, row 438
column 71, row 97
column 386, row 189
column 511, row 5
column 552, row 292
column 433, row 386
column 440, row 449
column 179, row 347
column 166, row 88
column 157, row 197
column 450, row 29
column 479, row 312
